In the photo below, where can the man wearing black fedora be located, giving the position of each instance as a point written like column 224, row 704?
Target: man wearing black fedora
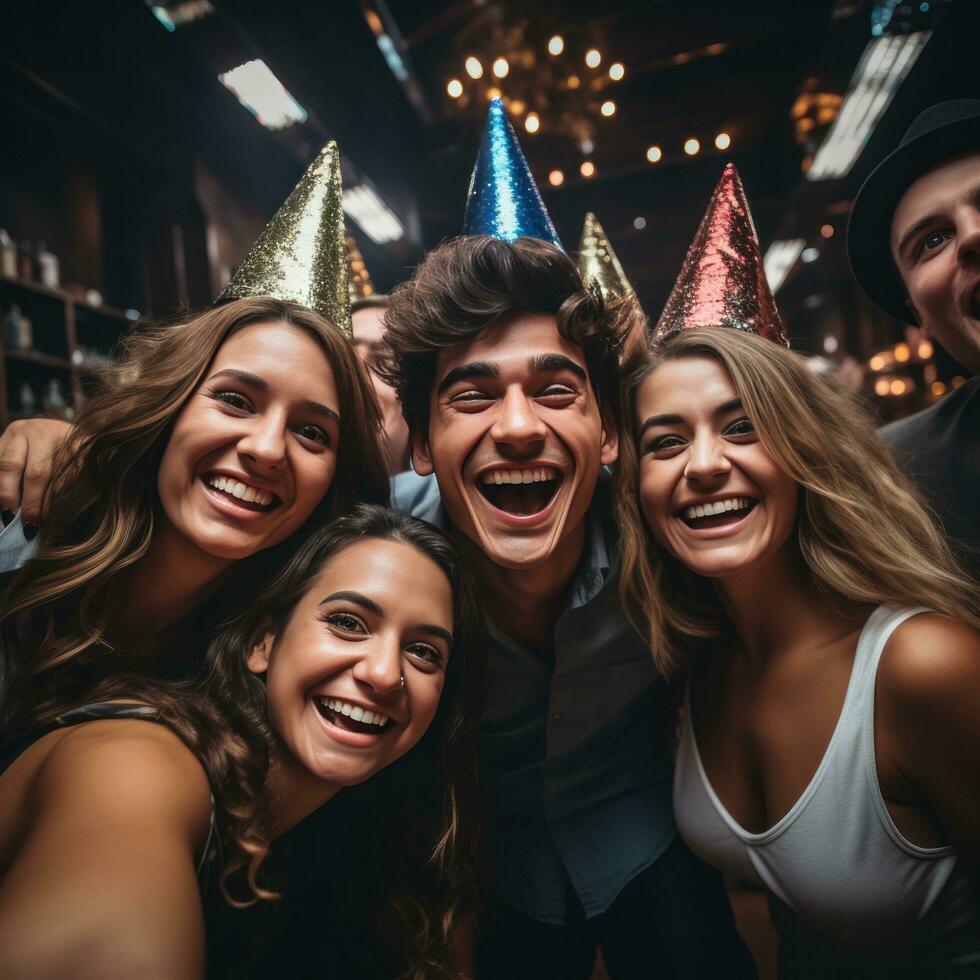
column 914, row 246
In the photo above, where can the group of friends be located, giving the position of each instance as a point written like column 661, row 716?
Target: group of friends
column 579, row 616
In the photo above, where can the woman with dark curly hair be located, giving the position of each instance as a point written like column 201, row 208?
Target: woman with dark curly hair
column 351, row 657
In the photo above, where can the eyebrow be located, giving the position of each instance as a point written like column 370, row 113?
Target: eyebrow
column 260, row 384
column 724, row 408
column 557, row 362
column 466, row 372
column 359, row 599
column 929, row 219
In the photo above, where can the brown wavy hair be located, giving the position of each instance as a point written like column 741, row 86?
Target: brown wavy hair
column 862, row 529
column 475, row 282
column 219, row 712
column 102, row 499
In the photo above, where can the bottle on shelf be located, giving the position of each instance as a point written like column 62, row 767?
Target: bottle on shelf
column 27, row 404
column 47, row 267
column 53, row 400
column 8, row 254
column 18, row 331
column 25, row 261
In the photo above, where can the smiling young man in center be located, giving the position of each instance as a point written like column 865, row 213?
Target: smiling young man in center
column 507, row 370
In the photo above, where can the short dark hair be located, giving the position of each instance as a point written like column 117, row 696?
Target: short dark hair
column 469, row 284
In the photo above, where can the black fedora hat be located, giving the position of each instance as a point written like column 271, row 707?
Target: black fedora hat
column 940, row 133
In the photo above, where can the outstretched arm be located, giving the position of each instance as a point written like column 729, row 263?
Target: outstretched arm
column 27, row 447
column 103, row 882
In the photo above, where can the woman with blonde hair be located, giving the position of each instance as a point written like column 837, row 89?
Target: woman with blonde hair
column 829, row 748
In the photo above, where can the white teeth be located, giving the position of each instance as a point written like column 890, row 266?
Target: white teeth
column 241, row 491
column 533, row 475
column 355, row 712
column 718, row 507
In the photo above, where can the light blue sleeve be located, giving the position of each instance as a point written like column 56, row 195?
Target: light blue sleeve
column 417, row 496
column 15, row 549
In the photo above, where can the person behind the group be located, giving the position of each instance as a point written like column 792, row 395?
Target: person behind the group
column 214, row 446
column 506, row 368
column 830, row 746
column 355, row 653
column 367, row 321
column 914, row 245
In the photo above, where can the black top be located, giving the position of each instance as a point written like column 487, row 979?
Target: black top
column 939, row 450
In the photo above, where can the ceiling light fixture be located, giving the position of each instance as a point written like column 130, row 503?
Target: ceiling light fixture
column 374, row 217
column 780, row 258
column 256, row 88
column 883, row 66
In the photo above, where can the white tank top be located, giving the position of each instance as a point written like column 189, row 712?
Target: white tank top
column 853, row 890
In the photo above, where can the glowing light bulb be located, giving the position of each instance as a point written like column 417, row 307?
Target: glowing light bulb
column 587, row 169
column 501, row 67
column 902, row 352
column 454, row 88
column 473, row 67
column 654, row 154
column 608, row 108
column 556, row 178
column 556, row 45
column 692, row 147
column 616, row 71
column 592, row 58
column 723, row 141
column 532, row 122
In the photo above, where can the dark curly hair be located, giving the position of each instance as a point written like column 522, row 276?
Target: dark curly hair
column 469, row 284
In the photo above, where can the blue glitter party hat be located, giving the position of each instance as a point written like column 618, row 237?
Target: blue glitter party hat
column 503, row 200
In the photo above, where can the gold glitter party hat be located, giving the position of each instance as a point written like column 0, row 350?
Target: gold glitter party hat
column 301, row 255
column 722, row 282
column 598, row 261
column 359, row 282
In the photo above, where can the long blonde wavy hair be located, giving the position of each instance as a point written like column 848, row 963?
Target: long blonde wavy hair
column 862, row 530
column 102, row 499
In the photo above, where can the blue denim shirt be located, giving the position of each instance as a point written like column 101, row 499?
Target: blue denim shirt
column 576, row 764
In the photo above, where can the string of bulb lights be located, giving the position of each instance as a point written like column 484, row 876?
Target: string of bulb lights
column 500, row 68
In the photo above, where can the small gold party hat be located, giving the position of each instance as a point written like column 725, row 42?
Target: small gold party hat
column 301, row 256
column 359, row 282
column 598, row 261
column 722, row 282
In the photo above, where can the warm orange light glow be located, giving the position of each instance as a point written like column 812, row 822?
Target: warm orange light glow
column 592, row 58
column 608, row 108
column 556, row 178
column 654, row 154
column 573, row 81
column 902, row 352
column 473, row 67
column 501, row 67
column 532, row 122
column 881, row 387
column 826, row 231
column 692, row 147
column 556, row 45
column 938, row 388
column 897, row 387
column 454, row 88
column 925, row 350
column 723, row 141
column 616, row 71
column 587, row 169
column 876, row 363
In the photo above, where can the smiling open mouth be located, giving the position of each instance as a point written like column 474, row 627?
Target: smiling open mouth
column 717, row 514
column 352, row 717
column 521, row 492
column 251, row 498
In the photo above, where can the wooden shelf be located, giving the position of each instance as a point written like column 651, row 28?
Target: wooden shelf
column 56, row 328
column 36, row 357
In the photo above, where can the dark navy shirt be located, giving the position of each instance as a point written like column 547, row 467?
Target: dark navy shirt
column 576, row 763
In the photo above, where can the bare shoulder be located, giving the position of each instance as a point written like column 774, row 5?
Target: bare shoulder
column 930, row 661
column 130, row 767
